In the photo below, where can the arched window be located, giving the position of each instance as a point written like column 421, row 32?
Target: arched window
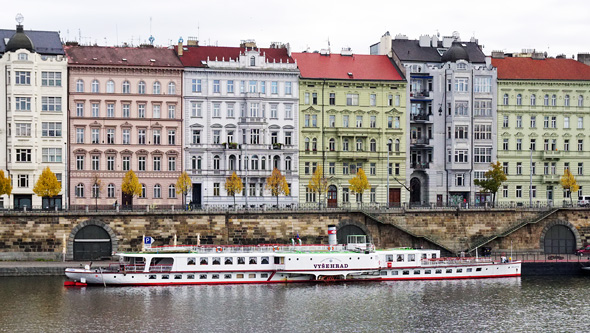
column 288, row 163
column 95, row 86
column 389, row 145
column 314, row 144
column 143, row 191
column 396, row 144
column 171, row 191
column 276, row 162
column 373, row 145
column 194, row 163
column 553, row 100
column 359, row 144
column 306, row 144
column 546, row 100
column 580, row 101
column 171, row 88
column 255, row 162
column 232, row 162
column 156, row 88
column 199, row 163
column 79, row 86
column 141, row 87
column 263, row 163
column 80, row 190
column 345, row 145
column 95, row 190
column 566, row 100
column 216, row 162
column 332, row 144
column 157, row 191
column 533, row 100
column 505, row 99
column 110, row 86
column 111, row 190
column 126, row 87
column 519, row 99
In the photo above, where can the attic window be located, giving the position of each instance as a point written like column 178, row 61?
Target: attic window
column 350, row 74
column 23, row 56
column 441, row 51
column 124, row 59
column 153, row 60
column 252, row 61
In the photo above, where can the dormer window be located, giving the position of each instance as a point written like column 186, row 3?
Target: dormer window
column 23, row 56
column 461, row 66
column 252, row 61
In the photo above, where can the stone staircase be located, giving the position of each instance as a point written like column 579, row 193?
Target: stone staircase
column 512, row 229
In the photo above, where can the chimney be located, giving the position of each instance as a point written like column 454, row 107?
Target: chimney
column 424, row 41
column 538, row 56
column 498, row 54
column 192, row 41
column 179, row 51
column 584, row 58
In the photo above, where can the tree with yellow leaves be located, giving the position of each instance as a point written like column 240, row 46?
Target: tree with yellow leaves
column 5, row 184
column 183, row 185
column 277, row 184
column 47, row 185
column 233, row 185
column 131, row 185
column 318, row 183
column 359, row 183
column 568, row 182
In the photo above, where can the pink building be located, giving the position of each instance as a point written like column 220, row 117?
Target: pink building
column 125, row 113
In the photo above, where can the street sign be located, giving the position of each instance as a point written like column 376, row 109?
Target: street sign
column 148, row 240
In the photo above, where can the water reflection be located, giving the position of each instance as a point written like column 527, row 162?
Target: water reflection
column 513, row 304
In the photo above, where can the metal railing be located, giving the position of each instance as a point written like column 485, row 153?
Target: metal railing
column 262, row 248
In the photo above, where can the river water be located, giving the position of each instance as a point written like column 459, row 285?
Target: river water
column 541, row 304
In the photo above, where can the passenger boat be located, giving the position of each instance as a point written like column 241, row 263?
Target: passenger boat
column 273, row 263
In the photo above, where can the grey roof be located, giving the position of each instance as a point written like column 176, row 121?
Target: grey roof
column 45, row 42
column 410, row 50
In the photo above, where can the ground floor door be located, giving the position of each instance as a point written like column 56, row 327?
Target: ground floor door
column 196, row 196
column 23, row 200
column 559, row 239
column 332, row 196
column 92, row 243
column 52, row 203
column 415, row 191
column 394, row 197
column 439, row 200
column 126, row 199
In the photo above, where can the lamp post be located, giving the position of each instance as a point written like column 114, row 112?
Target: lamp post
column 531, row 178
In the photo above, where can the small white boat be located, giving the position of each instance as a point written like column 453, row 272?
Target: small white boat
column 273, row 263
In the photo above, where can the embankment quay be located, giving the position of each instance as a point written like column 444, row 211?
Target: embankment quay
column 35, row 235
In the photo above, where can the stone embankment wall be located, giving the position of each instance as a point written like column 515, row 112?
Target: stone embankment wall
column 35, row 235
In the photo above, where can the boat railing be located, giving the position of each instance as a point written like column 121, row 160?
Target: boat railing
column 254, row 248
column 455, row 261
column 160, row 268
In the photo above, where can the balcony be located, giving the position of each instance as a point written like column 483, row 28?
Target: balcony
column 551, row 178
column 552, row 154
column 252, row 120
column 425, row 94
column 420, row 166
column 420, row 116
column 420, row 141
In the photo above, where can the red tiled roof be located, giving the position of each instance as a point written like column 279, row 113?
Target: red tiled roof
column 336, row 66
column 546, row 69
column 193, row 55
column 113, row 56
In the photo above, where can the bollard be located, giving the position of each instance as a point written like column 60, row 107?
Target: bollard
column 172, row 207
column 86, row 209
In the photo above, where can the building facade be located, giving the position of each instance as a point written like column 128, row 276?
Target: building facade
column 543, row 114
column 451, row 98
column 241, row 111
column 352, row 115
column 125, row 109
column 33, row 113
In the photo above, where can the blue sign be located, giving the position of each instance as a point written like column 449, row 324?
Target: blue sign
column 148, row 240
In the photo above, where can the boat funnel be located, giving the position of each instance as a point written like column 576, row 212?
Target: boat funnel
column 332, row 235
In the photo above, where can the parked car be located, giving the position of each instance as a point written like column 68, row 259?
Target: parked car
column 584, row 201
column 583, row 251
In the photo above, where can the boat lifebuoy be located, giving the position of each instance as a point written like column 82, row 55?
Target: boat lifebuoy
column 218, row 249
column 275, row 248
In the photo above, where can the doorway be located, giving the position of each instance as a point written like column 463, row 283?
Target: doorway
column 415, row 191
column 394, row 199
column 332, row 197
column 23, row 200
column 92, row 243
column 559, row 239
column 196, row 196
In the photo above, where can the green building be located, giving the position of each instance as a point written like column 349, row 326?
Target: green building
column 543, row 121
column 352, row 115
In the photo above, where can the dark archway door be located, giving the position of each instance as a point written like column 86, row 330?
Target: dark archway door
column 332, row 196
column 126, row 199
column 343, row 233
column 559, row 239
column 92, row 243
column 415, row 189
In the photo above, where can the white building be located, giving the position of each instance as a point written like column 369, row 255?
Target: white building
column 241, row 115
column 34, row 111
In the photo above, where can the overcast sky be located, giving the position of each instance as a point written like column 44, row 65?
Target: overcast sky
column 558, row 27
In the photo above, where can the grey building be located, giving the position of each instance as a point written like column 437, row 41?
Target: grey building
column 451, row 98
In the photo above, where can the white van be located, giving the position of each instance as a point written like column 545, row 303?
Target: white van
column 584, row 201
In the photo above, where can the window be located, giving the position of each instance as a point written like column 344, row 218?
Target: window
column 79, row 85
column 196, row 137
column 518, row 191
column 462, row 84
column 79, row 109
column 216, row 86
column 359, row 121
column 332, row 121
column 252, row 85
column 288, row 111
column 482, row 155
column 533, row 100
column 396, row 122
column 24, row 129
column 95, row 110
column 580, row 122
column 143, row 191
column 156, row 110
column 344, row 144
column 216, row 162
column 460, row 179
column 95, row 135
column 156, row 136
column 110, row 86
column 332, row 99
column 141, row 163
column 23, row 155
column 505, row 191
column 519, row 99
column 216, row 189
column 505, row 167
column 482, row 108
column 373, row 121
column 580, row 169
column 141, row 87
column 171, row 137
column 95, row 162
column 345, row 121
column 566, row 122
column 80, row 190
column 110, row 163
column 461, row 132
column 314, row 98
column 288, row 88
column 111, row 190
column 518, row 144
column 141, row 110
column 461, row 156
column 49, row 129
column 126, row 136
column 126, row 87
column 157, row 191
column 157, row 88
column 126, row 110
column 519, row 168
column 23, row 103
column 553, row 100
column 461, row 108
column 171, row 88
column 51, row 79
column 157, row 163
column 373, row 99
column 352, row 99
column 110, row 136
column 288, row 138
column 51, row 155
column 482, row 132
column 519, row 121
column 110, row 110
column 483, row 84
column 171, row 191
column 580, row 101
column 546, row 122
column 505, row 144
column 566, row 100
column 505, row 99
column 373, row 145
column 126, row 163
column 345, row 195
column 533, row 145
column 274, row 87
column 23, row 78
column 533, row 121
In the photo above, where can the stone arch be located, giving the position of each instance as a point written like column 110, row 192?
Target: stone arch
column 99, row 223
column 351, row 223
column 566, row 224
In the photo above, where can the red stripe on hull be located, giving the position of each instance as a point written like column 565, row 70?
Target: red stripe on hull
column 453, row 277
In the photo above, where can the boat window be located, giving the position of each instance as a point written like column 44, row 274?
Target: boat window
column 416, row 272
column 469, row 270
column 203, row 277
column 215, row 276
column 434, row 256
column 152, row 277
column 204, row 261
column 229, row 260
column 427, row 271
column 264, row 261
column 438, row 271
column 449, row 271
column 251, row 276
column 191, row 261
column 216, row 261
column 400, row 257
column 383, row 272
column 190, row 276
column 177, row 276
column 389, row 257
column 239, row 276
column 394, row 272
column 279, row 260
column 227, row 276
column 424, row 256
column 241, row 260
column 459, row 270
column 478, row 269
column 264, row 275
column 252, row 261
column 165, row 277
column 406, row 273
column 411, row 257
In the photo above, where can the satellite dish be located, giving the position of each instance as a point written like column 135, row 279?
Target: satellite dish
column 19, row 18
